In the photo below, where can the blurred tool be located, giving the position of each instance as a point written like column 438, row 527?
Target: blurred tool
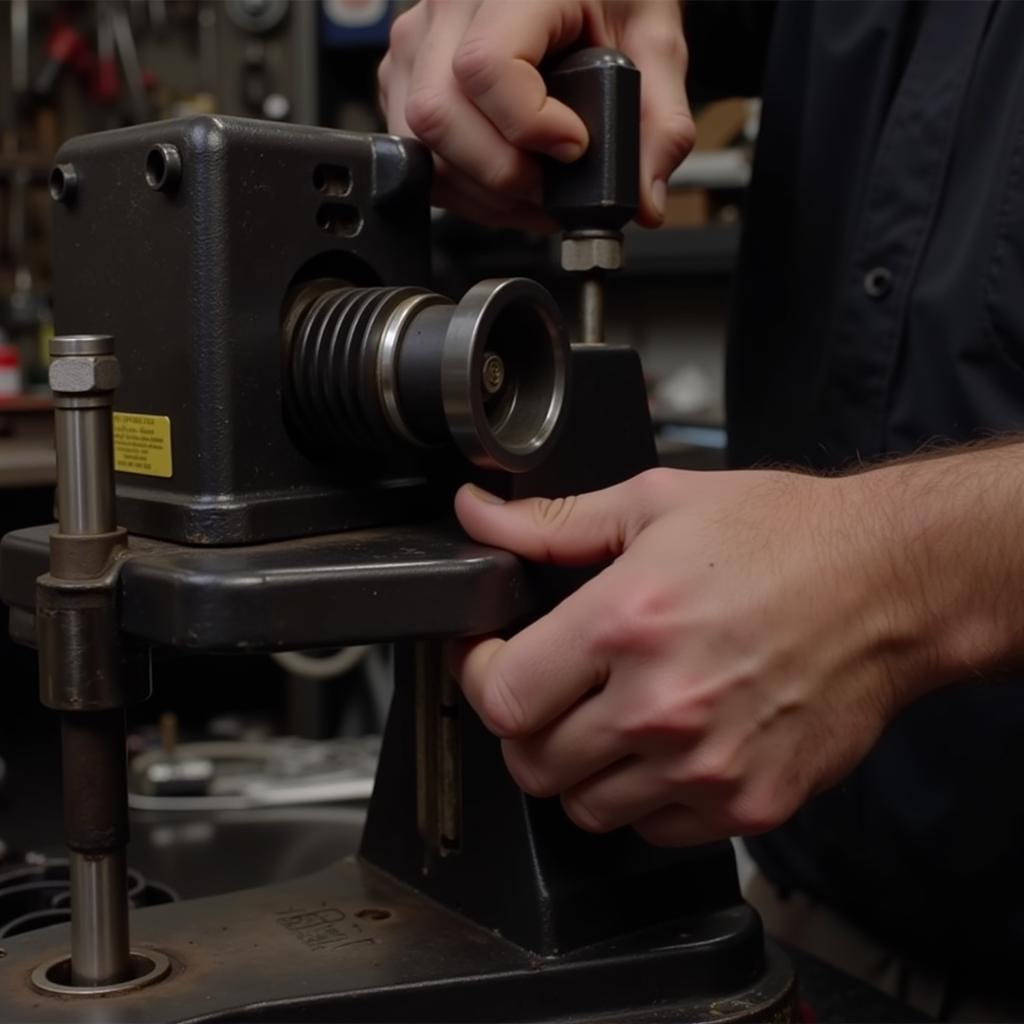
column 19, row 62
column 238, row 774
column 256, row 16
column 127, row 51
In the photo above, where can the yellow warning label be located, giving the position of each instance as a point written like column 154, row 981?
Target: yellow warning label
column 142, row 444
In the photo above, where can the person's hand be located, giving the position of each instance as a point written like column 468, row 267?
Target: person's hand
column 462, row 77
column 743, row 649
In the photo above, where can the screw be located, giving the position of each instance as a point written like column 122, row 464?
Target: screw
column 493, row 373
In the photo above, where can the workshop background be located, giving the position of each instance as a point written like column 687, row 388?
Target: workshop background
column 243, row 750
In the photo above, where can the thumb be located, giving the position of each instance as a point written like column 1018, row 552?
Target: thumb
column 580, row 529
column 667, row 132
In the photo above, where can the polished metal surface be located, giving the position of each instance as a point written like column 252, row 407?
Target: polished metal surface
column 592, row 311
column 516, row 321
column 147, row 967
column 83, row 375
column 582, row 251
column 81, row 345
column 85, row 496
column 99, row 919
column 390, row 345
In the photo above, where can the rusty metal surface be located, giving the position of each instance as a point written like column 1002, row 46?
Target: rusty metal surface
column 350, row 943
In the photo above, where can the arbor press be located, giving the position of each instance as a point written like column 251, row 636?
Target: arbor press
column 288, row 411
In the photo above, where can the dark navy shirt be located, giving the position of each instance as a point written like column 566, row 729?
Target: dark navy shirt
column 880, row 307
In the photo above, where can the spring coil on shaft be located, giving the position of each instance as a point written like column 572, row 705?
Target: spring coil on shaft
column 334, row 375
column 375, row 369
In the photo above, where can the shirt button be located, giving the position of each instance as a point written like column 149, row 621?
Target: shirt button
column 878, row 282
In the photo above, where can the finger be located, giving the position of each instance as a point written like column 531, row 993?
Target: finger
column 459, row 193
column 667, row 133
column 576, row 530
column 496, row 66
column 442, row 116
column 631, row 790
column 573, row 748
column 519, row 686
column 677, row 826
column 407, row 31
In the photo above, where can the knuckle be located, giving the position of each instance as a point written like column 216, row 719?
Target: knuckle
column 427, row 112
column 655, row 486
column 500, row 708
column 503, row 176
column 474, row 64
column 525, row 772
column 661, row 42
column 583, row 814
column 747, row 816
column 667, row 715
column 716, row 769
column 403, row 32
column 638, row 621
column 678, row 133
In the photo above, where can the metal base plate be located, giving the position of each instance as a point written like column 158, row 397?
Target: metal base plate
column 351, row 943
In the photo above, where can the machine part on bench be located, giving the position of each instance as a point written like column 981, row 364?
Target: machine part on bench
column 259, row 212
column 99, row 917
column 468, row 900
column 351, row 943
column 370, row 367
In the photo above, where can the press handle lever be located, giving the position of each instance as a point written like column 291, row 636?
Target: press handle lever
column 599, row 191
column 596, row 195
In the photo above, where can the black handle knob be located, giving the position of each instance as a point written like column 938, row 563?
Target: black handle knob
column 600, row 191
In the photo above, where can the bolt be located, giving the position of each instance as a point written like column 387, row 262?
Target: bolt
column 83, row 375
column 493, row 373
column 581, row 253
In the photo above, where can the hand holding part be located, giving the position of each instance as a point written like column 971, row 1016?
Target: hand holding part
column 463, row 78
column 735, row 656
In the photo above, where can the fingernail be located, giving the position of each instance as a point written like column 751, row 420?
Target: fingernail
column 567, row 151
column 482, row 495
column 658, row 194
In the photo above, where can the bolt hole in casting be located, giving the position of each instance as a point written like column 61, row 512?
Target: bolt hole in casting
column 383, row 367
column 163, row 167
column 332, row 180
column 341, row 219
column 63, row 183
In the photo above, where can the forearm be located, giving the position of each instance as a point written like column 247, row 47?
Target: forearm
column 946, row 534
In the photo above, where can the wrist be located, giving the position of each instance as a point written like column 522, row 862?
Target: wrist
column 943, row 558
